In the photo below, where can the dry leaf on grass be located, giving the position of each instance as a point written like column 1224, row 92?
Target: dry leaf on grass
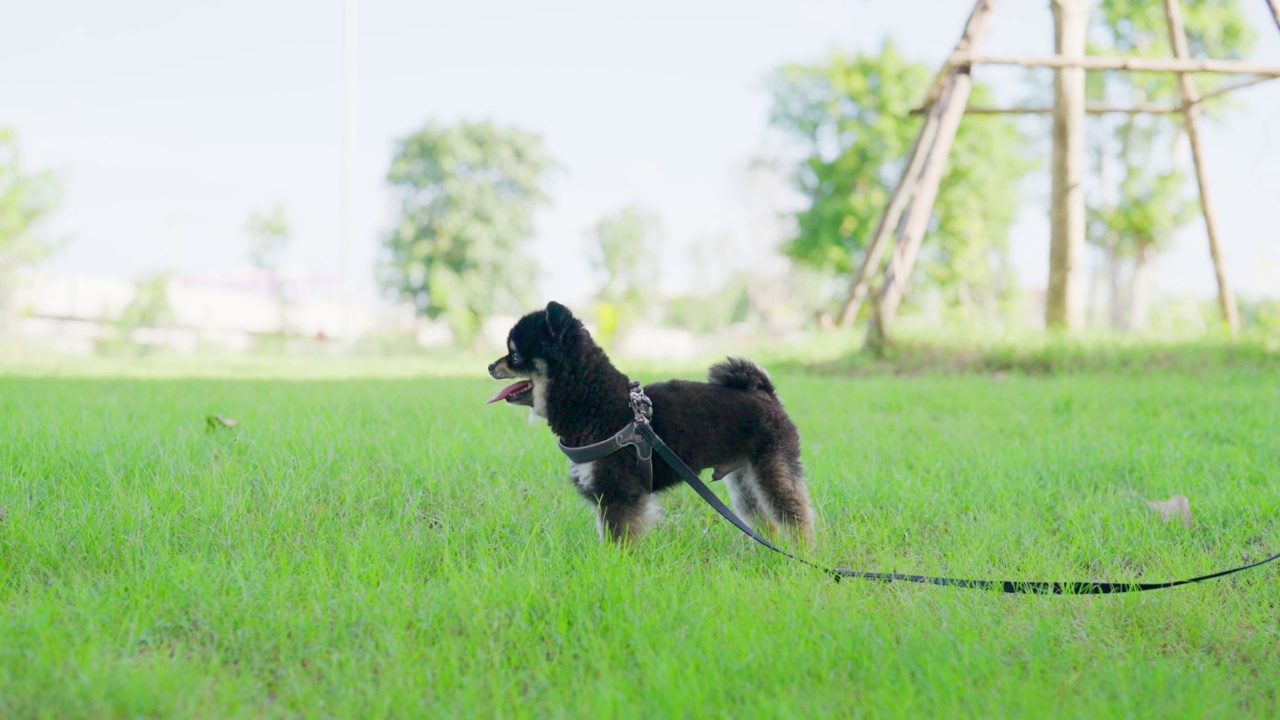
column 1177, row 508
column 217, row 420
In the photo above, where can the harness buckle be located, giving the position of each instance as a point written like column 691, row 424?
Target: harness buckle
column 641, row 405
column 632, row 435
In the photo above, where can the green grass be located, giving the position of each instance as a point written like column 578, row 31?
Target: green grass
column 391, row 547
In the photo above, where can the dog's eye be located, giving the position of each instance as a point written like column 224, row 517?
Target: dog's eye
column 515, row 357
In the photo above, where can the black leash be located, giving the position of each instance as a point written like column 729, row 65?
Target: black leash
column 639, row 434
column 1033, row 587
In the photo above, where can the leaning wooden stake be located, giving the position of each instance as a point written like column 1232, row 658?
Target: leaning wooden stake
column 889, row 220
column 1191, row 114
column 898, row 273
column 979, row 18
column 1275, row 11
column 936, row 135
column 911, row 236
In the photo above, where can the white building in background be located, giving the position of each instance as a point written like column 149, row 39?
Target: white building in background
column 229, row 310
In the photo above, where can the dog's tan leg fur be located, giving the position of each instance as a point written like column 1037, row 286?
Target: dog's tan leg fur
column 742, row 495
column 780, row 489
column 626, row 524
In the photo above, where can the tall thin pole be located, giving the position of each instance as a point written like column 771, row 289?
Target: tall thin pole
column 1275, row 11
column 1064, row 299
column 1191, row 116
column 349, row 34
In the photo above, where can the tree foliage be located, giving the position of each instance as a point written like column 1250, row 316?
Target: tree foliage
column 26, row 200
column 849, row 117
column 624, row 251
column 150, row 306
column 467, row 193
column 1136, row 212
column 268, row 238
column 268, row 241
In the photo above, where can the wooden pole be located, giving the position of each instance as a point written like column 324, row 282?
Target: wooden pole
column 975, row 27
column 1275, row 11
column 1064, row 301
column 1134, row 64
column 350, row 75
column 1191, row 115
column 1095, row 108
column 942, row 80
column 1237, row 86
column 1089, row 108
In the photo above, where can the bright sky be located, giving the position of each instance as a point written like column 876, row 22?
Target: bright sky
column 171, row 122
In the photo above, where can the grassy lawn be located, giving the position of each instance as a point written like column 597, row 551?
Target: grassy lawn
column 391, row 547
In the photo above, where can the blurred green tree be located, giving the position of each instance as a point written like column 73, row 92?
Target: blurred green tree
column 1135, row 213
column 268, row 241
column 26, row 200
column 142, row 325
column 849, row 117
column 624, row 250
column 467, row 195
column 150, row 308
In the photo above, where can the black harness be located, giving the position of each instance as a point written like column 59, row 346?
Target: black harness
column 639, row 434
column 642, row 408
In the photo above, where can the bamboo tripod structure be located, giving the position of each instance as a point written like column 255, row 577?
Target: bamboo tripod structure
column 947, row 102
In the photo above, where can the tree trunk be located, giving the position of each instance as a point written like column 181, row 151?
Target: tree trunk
column 965, row 300
column 1064, row 301
column 1121, row 304
column 1140, row 289
column 6, row 299
column 282, row 303
column 1116, row 317
column 1112, row 317
column 8, row 291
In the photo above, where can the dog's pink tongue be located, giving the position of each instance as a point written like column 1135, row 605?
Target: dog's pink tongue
column 513, row 387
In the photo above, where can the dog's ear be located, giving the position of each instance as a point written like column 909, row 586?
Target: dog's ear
column 559, row 321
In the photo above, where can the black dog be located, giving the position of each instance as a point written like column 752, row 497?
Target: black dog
column 734, row 424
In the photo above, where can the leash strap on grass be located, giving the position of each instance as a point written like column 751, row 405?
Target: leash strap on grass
column 1031, row 587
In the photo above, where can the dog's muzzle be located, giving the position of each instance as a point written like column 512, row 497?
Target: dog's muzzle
column 518, row 393
column 498, row 370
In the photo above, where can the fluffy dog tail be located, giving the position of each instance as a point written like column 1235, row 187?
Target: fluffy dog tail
column 740, row 373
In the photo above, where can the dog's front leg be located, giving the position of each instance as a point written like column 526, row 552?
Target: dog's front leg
column 624, row 522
